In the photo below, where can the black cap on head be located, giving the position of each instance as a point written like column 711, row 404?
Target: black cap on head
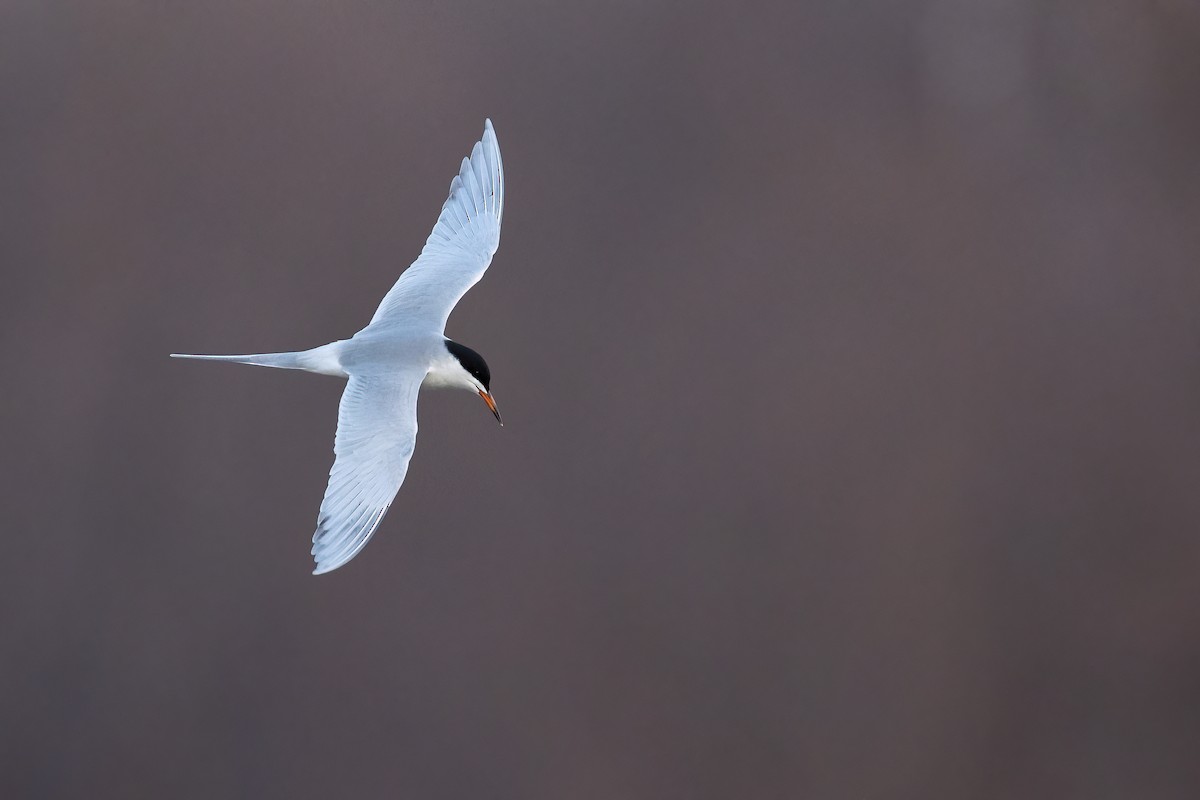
column 472, row 362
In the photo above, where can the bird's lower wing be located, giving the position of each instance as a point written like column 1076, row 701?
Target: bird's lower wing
column 376, row 433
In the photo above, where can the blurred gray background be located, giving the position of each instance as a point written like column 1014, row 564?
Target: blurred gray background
column 848, row 354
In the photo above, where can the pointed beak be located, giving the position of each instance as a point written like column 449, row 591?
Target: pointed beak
column 491, row 403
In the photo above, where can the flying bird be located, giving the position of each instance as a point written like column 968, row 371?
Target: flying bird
column 403, row 348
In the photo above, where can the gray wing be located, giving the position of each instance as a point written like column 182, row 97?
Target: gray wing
column 376, row 433
column 460, row 248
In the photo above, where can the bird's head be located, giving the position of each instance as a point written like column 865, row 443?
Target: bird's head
column 473, row 374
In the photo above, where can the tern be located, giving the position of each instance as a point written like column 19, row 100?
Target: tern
column 403, row 348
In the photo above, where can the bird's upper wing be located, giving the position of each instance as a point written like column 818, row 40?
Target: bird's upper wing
column 460, row 247
column 376, row 433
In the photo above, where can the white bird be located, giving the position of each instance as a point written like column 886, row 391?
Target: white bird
column 403, row 348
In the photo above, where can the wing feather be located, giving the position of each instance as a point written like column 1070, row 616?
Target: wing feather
column 376, row 434
column 460, row 247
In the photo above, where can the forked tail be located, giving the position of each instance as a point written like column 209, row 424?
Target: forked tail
column 323, row 360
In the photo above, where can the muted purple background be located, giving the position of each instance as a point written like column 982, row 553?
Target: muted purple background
column 849, row 355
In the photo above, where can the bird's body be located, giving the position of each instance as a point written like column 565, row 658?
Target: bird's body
column 402, row 349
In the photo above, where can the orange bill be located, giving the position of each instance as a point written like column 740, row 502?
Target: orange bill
column 491, row 403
